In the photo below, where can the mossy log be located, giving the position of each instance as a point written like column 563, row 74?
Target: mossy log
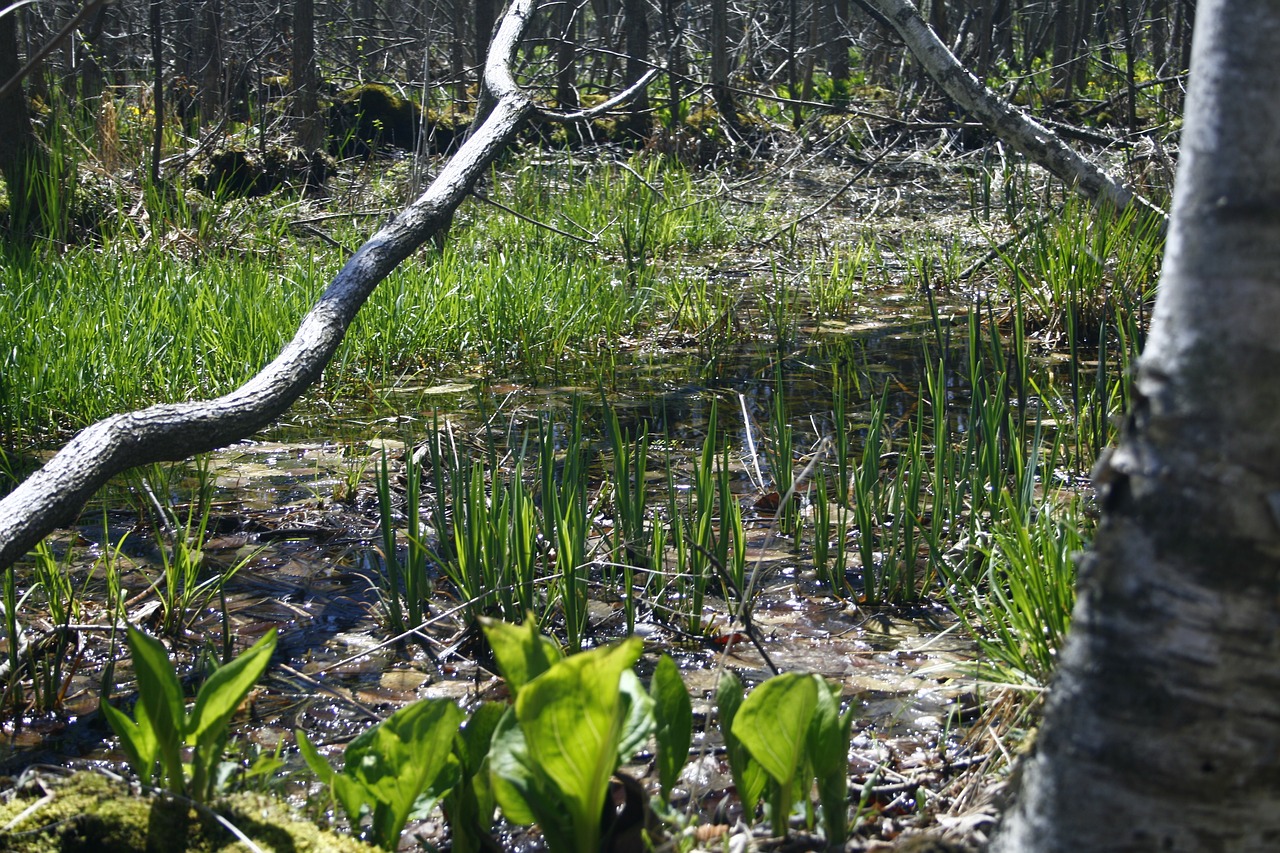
column 89, row 812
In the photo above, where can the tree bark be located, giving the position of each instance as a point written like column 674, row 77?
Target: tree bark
column 54, row 495
column 308, row 131
column 1027, row 136
column 1162, row 725
column 22, row 158
column 156, row 19
column 636, row 18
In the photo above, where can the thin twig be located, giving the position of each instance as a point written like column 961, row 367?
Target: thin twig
column 49, row 46
column 856, row 177
column 594, row 241
column 600, row 109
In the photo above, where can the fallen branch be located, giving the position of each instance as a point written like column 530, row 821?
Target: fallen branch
column 54, row 495
column 1027, row 136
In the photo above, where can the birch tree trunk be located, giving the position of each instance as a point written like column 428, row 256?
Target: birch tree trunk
column 1162, row 729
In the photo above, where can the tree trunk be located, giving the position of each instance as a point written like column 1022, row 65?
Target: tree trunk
column 1161, row 728
column 213, row 75
column 567, row 57
column 485, row 18
column 157, row 86
column 675, row 63
column 636, row 19
column 308, row 130
column 24, row 162
column 720, row 91
column 54, row 494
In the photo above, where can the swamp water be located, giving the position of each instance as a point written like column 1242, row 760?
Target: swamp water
column 295, row 511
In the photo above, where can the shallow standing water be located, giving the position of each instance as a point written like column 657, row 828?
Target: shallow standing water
column 295, row 511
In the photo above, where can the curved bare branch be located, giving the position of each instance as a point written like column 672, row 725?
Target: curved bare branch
column 55, row 494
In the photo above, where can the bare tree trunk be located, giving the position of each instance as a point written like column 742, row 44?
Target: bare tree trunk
column 566, row 57
column 1041, row 145
column 672, row 26
column 720, row 91
column 636, row 22
column 213, row 76
column 835, row 31
column 157, row 85
column 23, row 161
column 308, row 131
column 485, row 18
column 1063, row 48
column 1161, row 728
column 54, row 494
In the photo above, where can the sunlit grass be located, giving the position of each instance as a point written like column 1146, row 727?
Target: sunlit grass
column 178, row 314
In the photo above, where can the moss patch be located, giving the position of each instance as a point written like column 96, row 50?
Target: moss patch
column 369, row 117
column 88, row 812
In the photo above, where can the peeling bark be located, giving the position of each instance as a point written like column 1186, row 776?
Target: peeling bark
column 1014, row 127
column 55, row 494
column 1162, row 728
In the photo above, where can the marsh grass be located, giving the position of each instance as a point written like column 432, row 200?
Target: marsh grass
column 186, row 583
column 1019, row 609
column 1081, row 269
column 211, row 291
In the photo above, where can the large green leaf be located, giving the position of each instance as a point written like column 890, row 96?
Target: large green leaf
column 572, row 716
column 522, row 653
column 638, row 723
column 828, row 746
column 397, row 760
column 225, row 689
column 160, row 703
column 316, row 761
column 136, row 739
column 216, row 702
column 525, row 795
column 748, row 776
column 673, row 716
column 773, row 724
column 470, row 804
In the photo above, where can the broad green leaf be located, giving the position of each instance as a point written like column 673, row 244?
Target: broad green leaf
column 317, row 762
column 748, row 776
column 829, row 735
column 160, row 699
column 225, row 689
column 638, row 724
column 136, row 739
column 397, row 760
column 216, row 702
column 524, row 795
column 472, row 743
column 522, row 653
column 773, row 723
column 572, row 716
column 353, row 797
column 470, row 804
column 673, row 716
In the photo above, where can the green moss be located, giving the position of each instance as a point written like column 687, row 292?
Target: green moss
column 368, row 117
column 89, row 812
